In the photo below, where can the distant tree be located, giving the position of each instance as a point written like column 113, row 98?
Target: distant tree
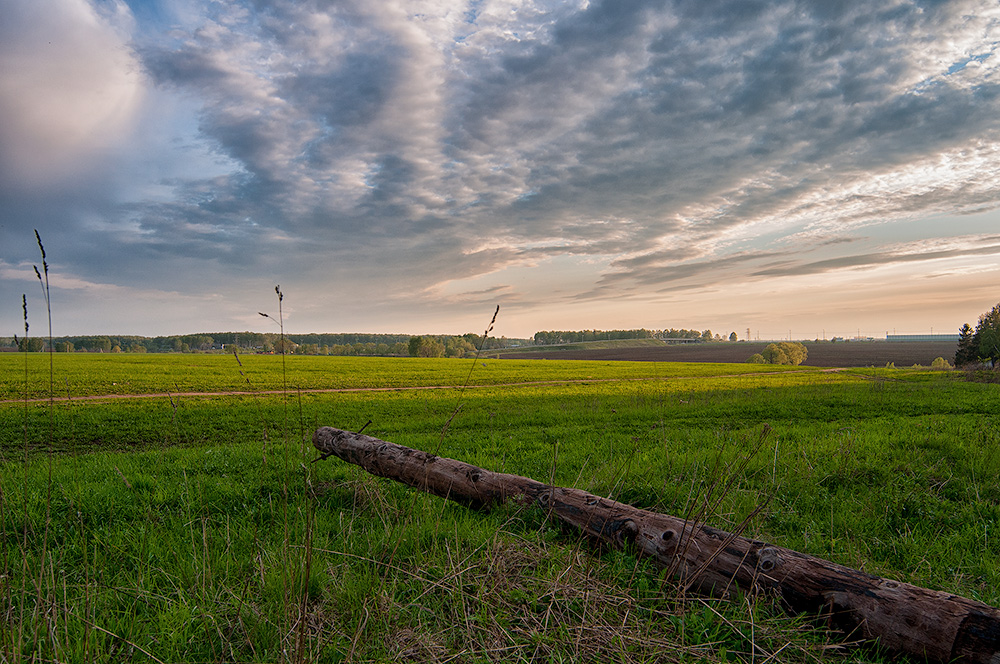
column 288, row 345
column 968, row 346
column 200, row 341
column 137, row 348
column 988, row 333
column 756, row 358
column 30, row 345
column 458, row 347
column 431, row 347
column 980, row 345
column 706, row 335
column 775, row 354
column 785, row 352
column 64, row 347
column 425, row 347
column 733, row 337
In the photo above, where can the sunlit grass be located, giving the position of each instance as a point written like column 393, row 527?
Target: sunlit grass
column 170, row 536
column 90, row 374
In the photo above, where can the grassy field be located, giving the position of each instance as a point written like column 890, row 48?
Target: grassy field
column 93, row 374
column 165, row 508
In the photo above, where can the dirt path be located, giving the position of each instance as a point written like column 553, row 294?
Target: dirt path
column 248, row 393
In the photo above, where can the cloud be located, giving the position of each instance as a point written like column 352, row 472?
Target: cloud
column 395, row 151
column 917, row 252
column 541, row 130
column 70, row 89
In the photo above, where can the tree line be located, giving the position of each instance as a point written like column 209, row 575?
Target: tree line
column 371, row 344
column 401, row 345
column 553, row 337
column 982, row 345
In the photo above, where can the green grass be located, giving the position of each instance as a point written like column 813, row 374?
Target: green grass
column 91, row 374
column 194, row 528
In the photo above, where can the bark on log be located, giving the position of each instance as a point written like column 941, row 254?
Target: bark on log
column 909, row 619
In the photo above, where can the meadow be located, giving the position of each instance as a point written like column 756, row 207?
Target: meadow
column 166, row 508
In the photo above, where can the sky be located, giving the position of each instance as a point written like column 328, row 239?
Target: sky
column 798, row 169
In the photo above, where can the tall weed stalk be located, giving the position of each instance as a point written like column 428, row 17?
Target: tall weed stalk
column 39, row 571
column 44, row 283
column 295, row 574
column 468, row 379
column 45, row 593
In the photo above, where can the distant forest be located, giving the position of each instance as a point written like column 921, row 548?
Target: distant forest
column 573, row 337
column 268, row 342
column 400, row 345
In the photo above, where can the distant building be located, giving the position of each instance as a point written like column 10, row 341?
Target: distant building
column 922, row 337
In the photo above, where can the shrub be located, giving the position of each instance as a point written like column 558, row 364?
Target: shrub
column 756, row 358
column 785, row 352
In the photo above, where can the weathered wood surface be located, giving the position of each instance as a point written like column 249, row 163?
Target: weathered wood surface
column 909, row 619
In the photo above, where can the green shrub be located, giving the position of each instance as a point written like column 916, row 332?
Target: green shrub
column 785, row 352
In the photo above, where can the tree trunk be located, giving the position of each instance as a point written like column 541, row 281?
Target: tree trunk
column 917, row 621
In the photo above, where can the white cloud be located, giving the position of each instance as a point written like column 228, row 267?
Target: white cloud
column 69, row 90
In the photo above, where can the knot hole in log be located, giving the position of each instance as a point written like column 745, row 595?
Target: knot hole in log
column 667, row 547
column 627, row 532
column 768, row 559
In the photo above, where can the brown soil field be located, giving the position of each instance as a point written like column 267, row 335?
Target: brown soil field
column 824, row 354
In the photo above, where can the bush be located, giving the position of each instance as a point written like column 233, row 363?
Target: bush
column 785, row 352
column 940, row 363
column 756, row 358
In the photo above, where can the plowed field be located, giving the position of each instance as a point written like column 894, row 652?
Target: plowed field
column 846, row 354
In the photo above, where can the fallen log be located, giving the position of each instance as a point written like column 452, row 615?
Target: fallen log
column 905, row 618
